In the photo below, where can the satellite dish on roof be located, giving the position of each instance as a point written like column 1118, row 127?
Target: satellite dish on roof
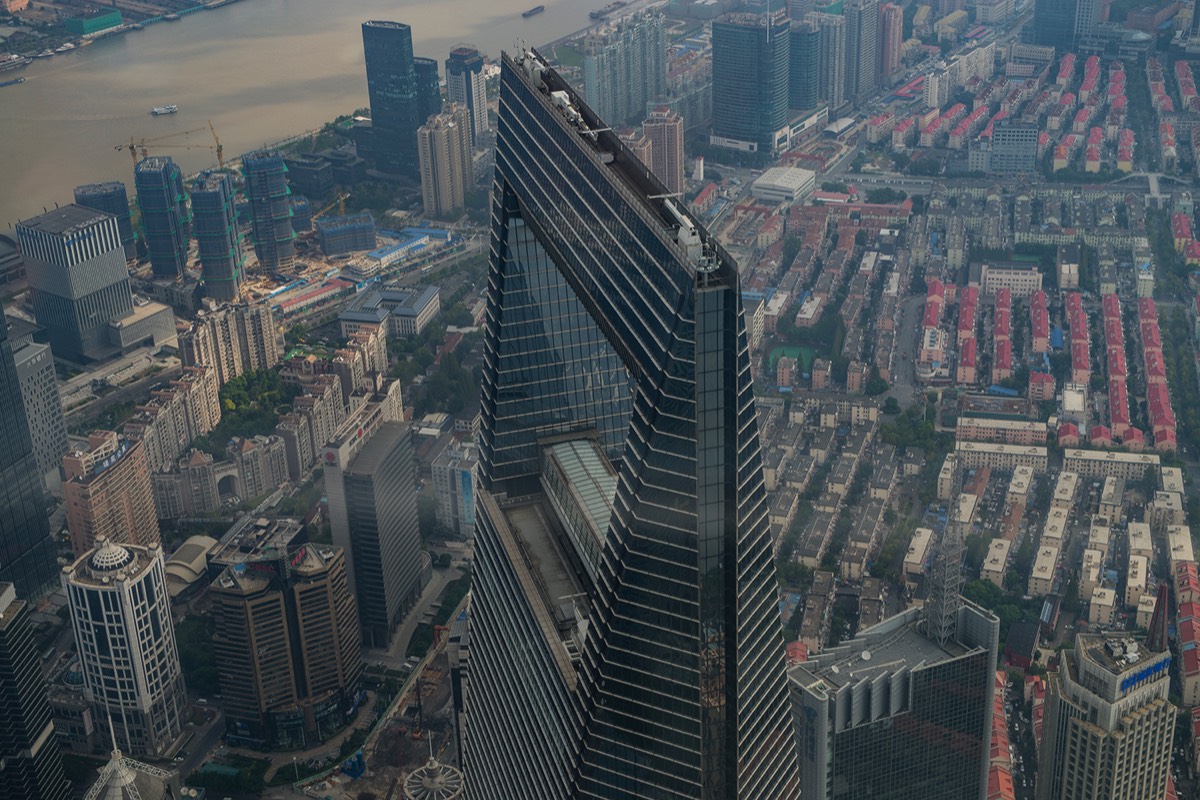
column 866, row 655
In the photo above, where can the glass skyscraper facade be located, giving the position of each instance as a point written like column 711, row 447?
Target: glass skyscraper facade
column 1054, row 23
column 804, row 73
column 624, row 637
column 894, row 715
column 26, row 550
column 165, row 217
column 111, row 198
column 403, row 93
column 750, row 86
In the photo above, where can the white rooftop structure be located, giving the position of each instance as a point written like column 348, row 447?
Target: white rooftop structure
column 784, row 184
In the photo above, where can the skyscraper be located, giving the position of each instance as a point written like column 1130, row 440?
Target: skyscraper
column 891, row 40
column 664, row 129
column 77, row 278
column 893, row 713
column 804, row 72
column 32, row 766
column 217, row 235
column 371, row 482
column 625, row 66
column 1054, row 23
column 109, row 494
column 287, row 644
column 466, row 86
column 1109, row 723
column 270, row 209
column 403, row 94
column 862, row 46
column 833, row 59
column 126, row 643
column 43, row 407
column 26, row 550
column 447, row 172
column 165, row 217
column 750, row 54
column 111, row 198
column 453, row 472
column 624, row 637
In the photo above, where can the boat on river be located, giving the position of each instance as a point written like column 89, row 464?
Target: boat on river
column 12, row 61
column 601, row 13
column 532, row 11
column 13, row 82
column 159, row 111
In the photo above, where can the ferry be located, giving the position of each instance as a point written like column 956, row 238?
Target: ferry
column 532, row 11
column 65, row 48
column 47, row 53
column 171, row 17
column 13, row 82
column 159, row 111
column 601, row 13
column 12, row 61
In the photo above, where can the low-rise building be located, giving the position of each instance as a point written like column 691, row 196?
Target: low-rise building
column 1102, row 463
column 917, row 556
column 995, row 565
column 1103, row 603
column 1002, row 457
column 1041, row 579
column 1135, row 580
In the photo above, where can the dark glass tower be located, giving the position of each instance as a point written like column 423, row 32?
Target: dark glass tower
column 1053, row 24
column 804, row 73
column 32, row 765
column 26, row 550
column 624, row 637
column 217, row 235
column 111, row 198
column 403, row 92
column 862, row 48
column 750, row 80
column 270, row 209
column 165, row 217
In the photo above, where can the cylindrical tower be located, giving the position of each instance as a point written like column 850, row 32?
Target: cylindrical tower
column 126, row 642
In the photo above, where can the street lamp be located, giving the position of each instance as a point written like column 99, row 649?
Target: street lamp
column 295, row 769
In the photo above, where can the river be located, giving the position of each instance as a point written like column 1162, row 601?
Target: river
column 261, row 70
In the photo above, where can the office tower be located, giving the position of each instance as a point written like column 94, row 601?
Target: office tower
column 447, row 172
column 43, row 407
column 77, row 278
column 892, row 713
column 32, row 766
column 217, row 236
column 1014, row 147
column 1054, row 24
column 891, row 41
column 625, row 66
column 26, row 550
column 453, row 474
column 402, row 93
column 625, row 640
column 371, row 483
column 111, row 198
column 231, row 339
column 750, row 54
column 270, row 209
column 664, row 129
column 165, row 218
column 799, row 9
column 804, row 70
column 108, row 493
column 862, row 46
column 126, row 643
column 287, row 645
column 833, row 59
column 1109, row 723
column 466, row 86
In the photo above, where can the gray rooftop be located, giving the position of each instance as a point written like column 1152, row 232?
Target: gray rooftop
column 65, row 220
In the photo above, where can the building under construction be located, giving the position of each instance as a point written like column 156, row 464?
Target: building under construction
column 216, row 228
column 270, row 209
column 346, row 234
column 165, row 216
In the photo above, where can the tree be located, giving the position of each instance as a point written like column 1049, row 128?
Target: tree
column 891, row 406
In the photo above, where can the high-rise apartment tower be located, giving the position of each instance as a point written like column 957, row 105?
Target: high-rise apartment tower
column 664, row 129
column 165, row 216
column 447, row 173
column 270, row 209
column 625, row 66
column 466, row 86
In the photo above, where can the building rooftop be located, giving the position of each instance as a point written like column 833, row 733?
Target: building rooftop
column 65, row 220
column 256, row 538
column 1117, row 654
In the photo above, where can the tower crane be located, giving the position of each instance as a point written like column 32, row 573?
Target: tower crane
column 142, row 147
column 340, row 202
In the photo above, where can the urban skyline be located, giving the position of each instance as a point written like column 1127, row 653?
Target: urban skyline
column 721, row 401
